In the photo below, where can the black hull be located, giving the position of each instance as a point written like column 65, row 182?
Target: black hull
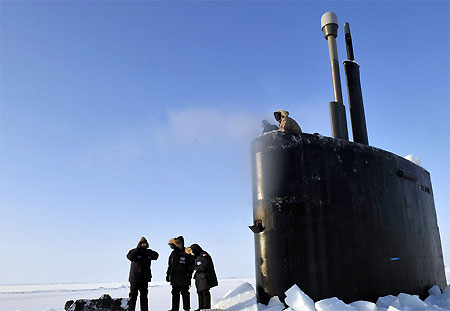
column 341, row 219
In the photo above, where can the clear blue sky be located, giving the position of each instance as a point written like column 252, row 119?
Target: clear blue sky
column 123, row 119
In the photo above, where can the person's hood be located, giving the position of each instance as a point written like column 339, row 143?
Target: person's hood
column 177, row 243
column 143, row 240
column 196, row 249
column 181, row 240
column 284, row 113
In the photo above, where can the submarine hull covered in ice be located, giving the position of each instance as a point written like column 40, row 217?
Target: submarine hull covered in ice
column 341, row 219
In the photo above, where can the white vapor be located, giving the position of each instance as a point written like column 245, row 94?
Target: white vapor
column 188, row 127
column 207, row 126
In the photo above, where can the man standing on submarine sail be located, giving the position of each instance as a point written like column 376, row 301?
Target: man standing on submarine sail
column 267, row 127
column 205, row 276
column 286, row 123
column 140, row 273
column 179, row 273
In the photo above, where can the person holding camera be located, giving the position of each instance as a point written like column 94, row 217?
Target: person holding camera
column 140, row 273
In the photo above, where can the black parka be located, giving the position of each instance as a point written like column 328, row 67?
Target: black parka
column 181, row 267
column 205, row 275
column 141, row 258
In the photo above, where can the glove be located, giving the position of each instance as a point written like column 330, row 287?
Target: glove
column 167, row 278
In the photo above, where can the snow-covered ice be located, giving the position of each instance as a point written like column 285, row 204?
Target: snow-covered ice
column 333, row 304
column 274, row 305
column 364, row 306
column 440, row 300
column 241, row 298
column 52, row 297
column 298, row 300
column 385, row 301
column 237, row 295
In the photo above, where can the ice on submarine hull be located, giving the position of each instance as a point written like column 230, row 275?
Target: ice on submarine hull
column 341, row 219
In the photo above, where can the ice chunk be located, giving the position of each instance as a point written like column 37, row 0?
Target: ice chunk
column 411, row 301
column 435, row 290
column 243, row 288
column 364, row 305
column 124, row 303
column 274, row 305
column 333, row 304
column 298, row 300
column 385, row 301
column 275, row 308
column 396, row 303
column 391, row 308
column 241, row 298
column 442, row 300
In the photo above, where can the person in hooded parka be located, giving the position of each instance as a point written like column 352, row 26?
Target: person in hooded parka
column 205, row 276
column 140, row 273
column 179, row 273
column 287, row 124
column 267, row 127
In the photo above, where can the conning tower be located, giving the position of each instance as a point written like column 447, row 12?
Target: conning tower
column 341, row 218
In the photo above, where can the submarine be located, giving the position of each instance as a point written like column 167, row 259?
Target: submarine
column 339, row 218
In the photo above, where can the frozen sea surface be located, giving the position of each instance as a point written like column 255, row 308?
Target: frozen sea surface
column 232, row 294
column 52, row 297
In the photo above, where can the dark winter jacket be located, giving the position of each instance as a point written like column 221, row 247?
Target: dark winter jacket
column 205, row 276
column 181, row 267
column 141, row 258
column 267, row 127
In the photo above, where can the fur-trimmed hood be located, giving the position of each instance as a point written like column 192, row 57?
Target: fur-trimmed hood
column 284, row 113
column 287, row 124
column 176, row 243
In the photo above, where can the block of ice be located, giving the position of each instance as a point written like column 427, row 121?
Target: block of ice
column 243, row 288
column 298, row 300
column 275, row 301
column 435, row 290
column 385, row 301
column 442, row 300
column 396, row 304
column 411, row 301
column 274, row 305
column 274, row 308
column 333, row 304
column 391, row 308
column 124, row 303
column 364, row 306
column 241, row 298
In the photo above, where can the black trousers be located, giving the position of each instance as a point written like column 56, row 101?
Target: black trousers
column 184, row 291
column 136, row 287
column 204, row 299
